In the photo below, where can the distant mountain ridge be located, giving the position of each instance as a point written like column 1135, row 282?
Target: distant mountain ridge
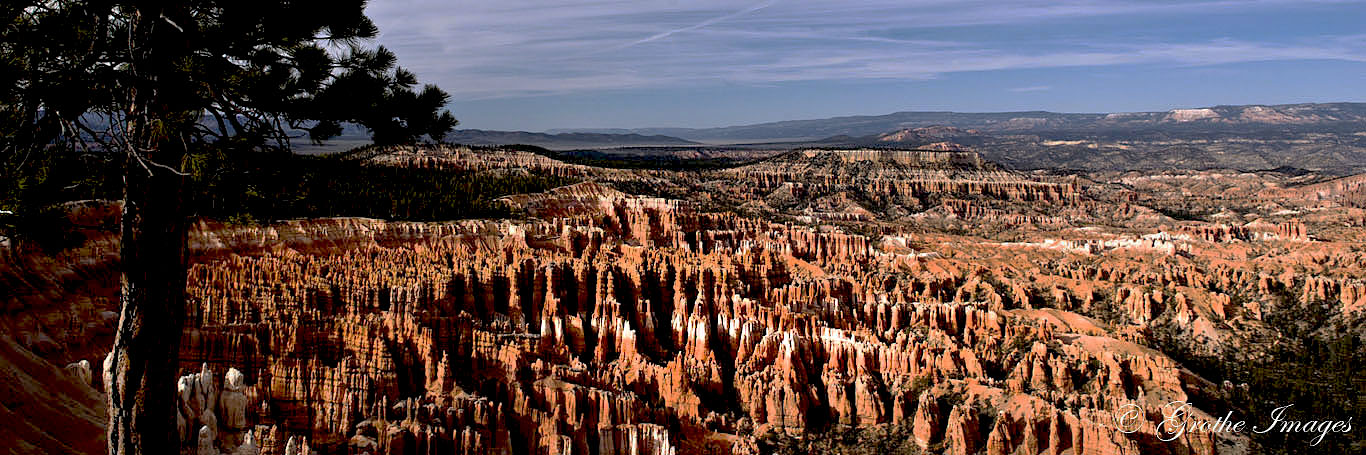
column 1207, row 120
column 562, row 140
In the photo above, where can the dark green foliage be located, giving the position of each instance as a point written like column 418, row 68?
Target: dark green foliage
column 171, row 83
column 258, row 187
column 1316, row 369
column 631, row 161
column 273, row 186
column 1322, row 378
column 206, row 71
column 1109, row 312
column 650, row 189
column 34, row 196
column 871, row 230
column 48, row 229
column 51, row 178
column 1184, row 214
column 918, row 386
column 874, row 440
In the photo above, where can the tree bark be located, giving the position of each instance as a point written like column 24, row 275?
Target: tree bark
column 142, row 368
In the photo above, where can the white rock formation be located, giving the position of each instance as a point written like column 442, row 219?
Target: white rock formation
column 233, row 402
column 81, row 370
column 108, row 370
column 248, row 446
column 206, row 444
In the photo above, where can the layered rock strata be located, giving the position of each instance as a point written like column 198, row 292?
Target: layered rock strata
column 611, row 323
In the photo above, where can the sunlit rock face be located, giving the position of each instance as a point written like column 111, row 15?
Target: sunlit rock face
column 1009, row 315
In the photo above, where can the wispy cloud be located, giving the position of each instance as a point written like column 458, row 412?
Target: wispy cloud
column 481, row 50
column 1032, row 88
column 699, row 25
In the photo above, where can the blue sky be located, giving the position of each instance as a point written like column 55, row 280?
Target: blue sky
column 534, row 65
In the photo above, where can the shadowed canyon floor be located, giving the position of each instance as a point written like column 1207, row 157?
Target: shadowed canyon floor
column 906, row 301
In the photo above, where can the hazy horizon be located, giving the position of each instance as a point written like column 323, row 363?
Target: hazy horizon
column 462, row 126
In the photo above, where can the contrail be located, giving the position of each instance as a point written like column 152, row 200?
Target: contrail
column 662, row 35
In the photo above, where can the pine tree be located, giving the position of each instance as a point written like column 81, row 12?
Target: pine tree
column 157, row 81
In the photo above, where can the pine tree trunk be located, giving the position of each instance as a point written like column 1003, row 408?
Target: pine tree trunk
column 142, row 368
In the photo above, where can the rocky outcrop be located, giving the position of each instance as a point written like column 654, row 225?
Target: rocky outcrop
column 1349, row 191
column 614, row 323
column 601, row 329
column 47, row 409
column 897, row 176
